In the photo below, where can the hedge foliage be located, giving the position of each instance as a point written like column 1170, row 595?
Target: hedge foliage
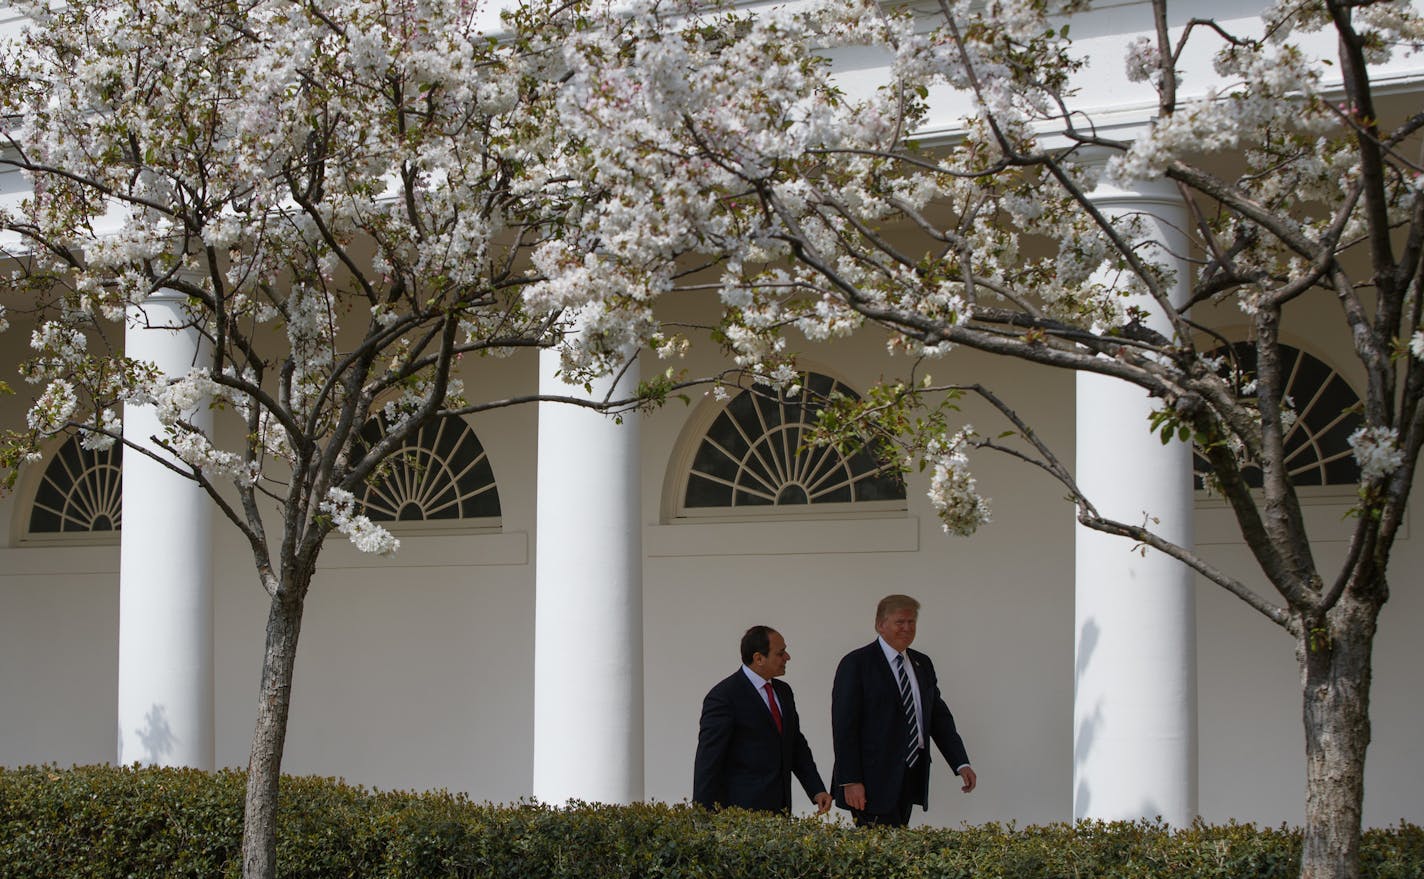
column 105, row 822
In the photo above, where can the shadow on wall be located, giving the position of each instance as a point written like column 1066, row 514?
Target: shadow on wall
column 1087, row 733
column 1088, row 727
column 156, row 739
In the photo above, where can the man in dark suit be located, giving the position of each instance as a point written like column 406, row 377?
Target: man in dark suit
column 749, row 741
column 885, row 710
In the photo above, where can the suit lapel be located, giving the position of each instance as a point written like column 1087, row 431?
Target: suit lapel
column 758, row 700
column 924, row 672
column 885, row 675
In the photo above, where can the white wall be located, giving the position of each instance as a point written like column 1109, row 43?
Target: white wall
column 59, row 645
column 996, row 620
column 414, row 672
column 418, row 672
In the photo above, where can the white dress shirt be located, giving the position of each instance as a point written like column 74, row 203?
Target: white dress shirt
column 760, row 683
column 890, row 655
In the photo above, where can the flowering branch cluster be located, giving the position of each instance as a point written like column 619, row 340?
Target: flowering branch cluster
column 952, row 486
column 347, row 200
column 726, row 135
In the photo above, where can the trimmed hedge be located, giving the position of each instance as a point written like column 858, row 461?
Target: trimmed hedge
column 106, row 822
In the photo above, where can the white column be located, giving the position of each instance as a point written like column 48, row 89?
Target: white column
column 165, row 571
column 1134, row 702
column 588, row 642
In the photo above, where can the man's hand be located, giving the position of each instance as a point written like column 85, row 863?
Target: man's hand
column 970, row 780
column 823, row 802
column 855, row 796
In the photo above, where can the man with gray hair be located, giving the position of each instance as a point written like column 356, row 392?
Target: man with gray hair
column 885, row 710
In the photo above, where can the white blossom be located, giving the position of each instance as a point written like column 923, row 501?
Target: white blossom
column 197, row 451
column 1143, row 61
column 952, row 487
column 1377, row 451
column 364, row 534
column 272, row 436
column 61, row 348
column 105, row 436
column 671, row 346
column 54, row 408
column 179, row 399
column 1272, row 95
column 311, row 330
column 785, row 377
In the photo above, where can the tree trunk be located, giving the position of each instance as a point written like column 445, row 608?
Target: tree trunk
column 264, row 766
column 1334, row 656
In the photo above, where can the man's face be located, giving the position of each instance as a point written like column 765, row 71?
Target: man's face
column 772, row 665
column 898, row 628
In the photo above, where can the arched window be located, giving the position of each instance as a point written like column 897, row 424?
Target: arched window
column 755, row 455
column 80, row 491
column 442, row 473
column 1317, row 447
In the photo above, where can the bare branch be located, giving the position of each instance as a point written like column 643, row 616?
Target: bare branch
column 1089, row 517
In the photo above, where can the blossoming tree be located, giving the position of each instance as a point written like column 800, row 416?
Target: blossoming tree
column 352, row 195
column 729, row 132
column 347, row 198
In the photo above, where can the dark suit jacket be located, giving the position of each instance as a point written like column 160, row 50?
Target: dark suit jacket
column 741, row 759
column 869, row 728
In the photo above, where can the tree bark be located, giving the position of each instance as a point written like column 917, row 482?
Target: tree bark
column 264, row 766
column 1334, row 657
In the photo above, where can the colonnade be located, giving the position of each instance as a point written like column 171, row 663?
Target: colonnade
column 1135, row 691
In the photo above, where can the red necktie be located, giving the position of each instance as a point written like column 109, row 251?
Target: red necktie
column 771, row 703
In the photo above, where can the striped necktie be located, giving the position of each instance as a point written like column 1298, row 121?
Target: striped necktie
column 907, row 700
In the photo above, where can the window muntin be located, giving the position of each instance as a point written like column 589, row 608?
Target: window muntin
column 80, row 491
column 1317, row 447
column 755, row 455
column 441, row 474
